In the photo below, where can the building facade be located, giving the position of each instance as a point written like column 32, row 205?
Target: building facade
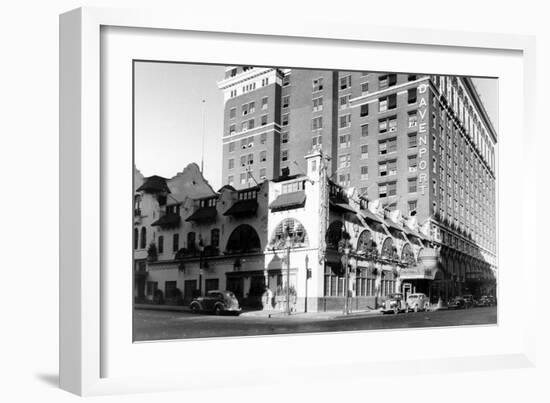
column 419, row 145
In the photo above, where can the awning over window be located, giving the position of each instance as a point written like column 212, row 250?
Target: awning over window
column 288, row 201
column 167, row 220
column 203, row 214
column 242, row 208
column 341, row 207
column 394, row 225
column 368, row 215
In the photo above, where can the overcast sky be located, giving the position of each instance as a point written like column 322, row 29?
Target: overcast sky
column 169, row 117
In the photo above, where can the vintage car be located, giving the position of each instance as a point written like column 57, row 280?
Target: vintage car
column 486, row 300
column 395, row 303
column 457, row 303
column 216, row 301
column 417, row 302
column 469, row 300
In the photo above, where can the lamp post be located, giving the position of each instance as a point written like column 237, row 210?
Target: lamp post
column 346, row 260
column 307, row 277
column 344, row 248
column 288, row 245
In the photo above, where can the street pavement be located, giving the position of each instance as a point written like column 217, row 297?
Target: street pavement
column 170, row 325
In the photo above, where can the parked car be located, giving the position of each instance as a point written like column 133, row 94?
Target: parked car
column 469, row 300
column 395, row 303
column 486, row 300
column 457, row 303
column 417, row 302
column 216, row 301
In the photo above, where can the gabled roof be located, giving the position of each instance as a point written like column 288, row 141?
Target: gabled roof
column 154, row 184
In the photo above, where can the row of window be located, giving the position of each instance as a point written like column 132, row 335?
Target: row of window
column 247, row 177
column 140, row 239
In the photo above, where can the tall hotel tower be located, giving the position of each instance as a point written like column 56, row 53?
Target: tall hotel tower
column 421, row 144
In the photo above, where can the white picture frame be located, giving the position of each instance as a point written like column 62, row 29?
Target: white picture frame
column 90, row 358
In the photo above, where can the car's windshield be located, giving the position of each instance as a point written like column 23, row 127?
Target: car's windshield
column 413, row 296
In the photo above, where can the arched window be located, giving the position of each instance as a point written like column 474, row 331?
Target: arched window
column 292, row 227
column 388, row 250
column 407, row 255
column 136, row 238
column 334, row 234
column 244, row 239
column 366, row 245
column 143, row 238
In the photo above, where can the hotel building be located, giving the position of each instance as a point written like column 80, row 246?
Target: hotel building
column 417, row 145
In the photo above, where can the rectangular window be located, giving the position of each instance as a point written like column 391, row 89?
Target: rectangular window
column 231, row 163
column 175, row 242
column 232, row 129
column 345, row 161
column 284, row 137
column 263, row 120
column 243, row 178
column 317, row 104
column 344, row 101
column 364, row 88
column 364, row 151
column 364, row 173
column 382, row 82
column 317, row 123
column 382, row 190
column 161, row 244
column 285, row 119
column 413, row 163
column 286, row 80
column 264, row 103
column 387, row 102
column 318, row 84
column 230, row 180
column 262, row 174
column 345, row 82
column 388, row 124
column 231, row 146
column 412, row 185
column 232, row 113
column 263, row 156
column 387, row 146
column 412, row 206
column 344, row 141
column 364, row 130
column 411, row 96
column 286, row 101
column 412, row 140
column 263, row 138
column 412, row 77
column 364, row 110
column 250, row 159
column 412, row 118
column 392, row 188
column 345, row 121
column 383, row 168
column 284, row 155
column 243, row 160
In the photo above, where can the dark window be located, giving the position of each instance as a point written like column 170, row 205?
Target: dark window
column 161, row 244
column 364, row 110
column 136, row 238
column 175, row 242
column 191, row 240
column 392, row 101
column 143, row 238
column 412, row 95
column 392, row 78
column 211, row 284
column 215, row 237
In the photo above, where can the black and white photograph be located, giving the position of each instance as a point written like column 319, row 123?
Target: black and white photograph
column 280, row 200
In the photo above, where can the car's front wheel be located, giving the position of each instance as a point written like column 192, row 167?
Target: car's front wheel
column 195, row 308
column 218, row 310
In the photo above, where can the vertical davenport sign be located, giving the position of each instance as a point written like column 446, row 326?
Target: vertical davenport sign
column 422, row 139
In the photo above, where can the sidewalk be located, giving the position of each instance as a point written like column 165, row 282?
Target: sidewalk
column 309, row 315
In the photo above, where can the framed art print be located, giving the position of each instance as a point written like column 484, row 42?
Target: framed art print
column 316, row 199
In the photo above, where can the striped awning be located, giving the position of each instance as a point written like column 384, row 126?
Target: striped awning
column 288, row 201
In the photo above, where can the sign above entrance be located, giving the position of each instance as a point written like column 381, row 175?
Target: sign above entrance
column 417, row 273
